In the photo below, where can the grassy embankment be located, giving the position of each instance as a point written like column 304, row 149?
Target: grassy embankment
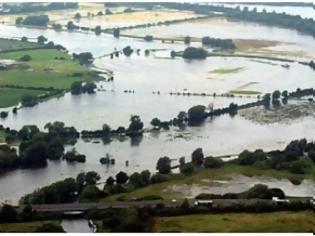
column 25, row 227
column 204, row 177
column 303, row 221
column 44, row 70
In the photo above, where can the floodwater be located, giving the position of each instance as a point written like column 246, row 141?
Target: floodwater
column 76, row 226
column 144, row 75
column 240, row 183
column 220, row 27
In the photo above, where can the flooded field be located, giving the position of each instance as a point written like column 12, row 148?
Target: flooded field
column 240, row 183
column 148, row 75
column 220, row 27
column 132, row 18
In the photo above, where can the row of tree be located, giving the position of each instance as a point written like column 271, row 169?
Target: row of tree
column 41, row 20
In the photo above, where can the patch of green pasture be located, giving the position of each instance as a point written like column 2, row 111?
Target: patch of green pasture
column 10, row 96
column 10, row 44
column 302, row 221
column 25, row 227
column 44, row 70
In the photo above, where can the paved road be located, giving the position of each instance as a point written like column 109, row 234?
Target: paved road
column 99, row 205
column 127, row 204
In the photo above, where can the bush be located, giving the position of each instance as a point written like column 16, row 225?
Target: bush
column 50, row 228
column 25, row 58
column 259, row 191
column 194, row 53
column 159, row 178
column 211, row 162
column 187, row 169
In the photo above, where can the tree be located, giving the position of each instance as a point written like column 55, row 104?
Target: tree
column 92, row 177
column 187, row 169
column 136, row 180
column 106, row 129
column 25, row 58
column 8, row 214
column 155, row 122
column 41, row 39
column 27, row 213
column 194, row 53
column 24, row 39
column 164, row 165
column 127, row 51
column 41, row 20
column 89, row 88
column 197, row 157
column 187, row 40
column 197, row 113
column 70, row 25
column 276, row 95
column 136, row 124
column 29, row 100
column 76, row 88
column 148, row 38
column 211, row 162
column 98, row 30
column 110, row 181
column 116, row 32
column 90, row 192
column 121, row 178
column 77, row 16
column 259, row 191
column 34, row 154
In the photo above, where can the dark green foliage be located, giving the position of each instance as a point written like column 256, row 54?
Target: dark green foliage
column 164, row 165
column 197, row 113
column 187, row 169
column 28, row 132
column 110, row 181
column 84, row 58
column 91, row 193
column 116, row 32
column 212, row 162
column 33, row 154
column 197, row 157
column 127, row 220
column 8, row 158
column 41, row 20
column 140, row 179
column 136, row 125
column 60, row 192
column 121, row 178
column 194, row 53
column 127, row 51
column 159, row 178
column 25, row 58
column 98, row 30
column 148, row 38
column 50, row 228
column 29, row 100
column 218, row 43
column 73, row 156
column 8, row 214
column 187, row 40
column 249, row 158
column 259, row 191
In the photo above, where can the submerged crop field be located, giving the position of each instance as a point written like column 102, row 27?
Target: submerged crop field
column 157, row 117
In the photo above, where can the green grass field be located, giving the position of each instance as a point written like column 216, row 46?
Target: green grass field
column 9, row 44
column 44, row 70
column 10, row 97
column 303, row 222
column 223, row 173
column 26, row 227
